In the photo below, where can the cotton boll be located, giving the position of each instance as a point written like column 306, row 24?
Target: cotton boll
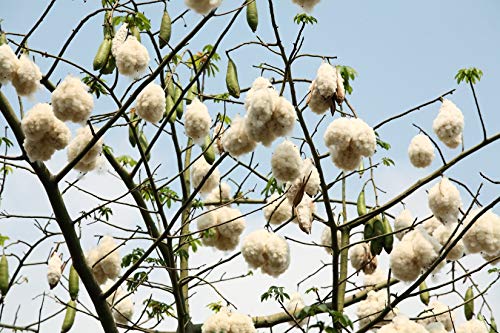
column 449, row 124
column 241, row 323
column 204, row 222
column 59, row 135
column 197, row 121
column 326, row 80
column 346, row 159
column 203, row 6
column 286, row 162
column 307, row 5
column 362, row 259
column 278, row 256
column 402, row 221
column 339, row 133
column 236, row 140
column 199, row 170
column 219, row 194
column 76, row 146
column 92, row 258
column 259, row 114
column 438, row 312
column 370, row 308
column 119, row 39
column 26, row 78
column 364, row 137
column 294, row 306
column 217, row 323
column 377, row 277
column 326, row 239
column 54, row 270
column 304, row 213
column 425, row 248
column 442, row 234
column 38, row 150
column 472, row 326
column 492, row 258
column 8, row 64
column 317, row 103
column 444, row 201
column 403, row 263
column 235, row 227
column 110, row 260
column 253, row 248
column 311, row 175
column 401, row 324
column 71, row 100
column 283, row 118
column 150, row 104
column 132, row 58
column 484, row 235
column 431, row 225
column 258, row 84
column 435, row 328
column 278, row 209
column 121, row 303
column 38, row 121
column 421, row 151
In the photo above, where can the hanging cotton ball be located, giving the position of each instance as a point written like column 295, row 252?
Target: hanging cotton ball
column 326, row 80
column 258, row 84
column 444, row 201
column 76, row 146
column 363, row 137
column 236, row 140
column 286, row 162
column 121, row 303
column 206, row 221
column 492, row 258
column 304, row 213
column 347, row 159
column 54, row 270
column 362, row 259
column 228, row 322
column 401, row 324
column 310, row 176
column 442, row 234
column 437, row 312
column 71, row 101
column 402, row 221
column 266, row 250
column 150, row 104
column 132, row 58
column 294, row 306
column 26, row 78
column 38, row 150
column 119, row 39
column 199, row 170
column 317, row 103
column 110, row 257
column 425, row 247
column 449, row 124
column 203, row 6
column 472, row 326
column 8, row 63
column 92, row 257
column 283, row 118
column 278, row 209
column 431, row 225
column 307, row 5
column 484, row 235
column 197, row 121
column 219, row 194
column 230, row 225
column 403, row 263
column 259, row 114
column 326, row 239
column 421, row 151
column 375, row 278
column 435, row 328
column 370, row 308
column 241, row 323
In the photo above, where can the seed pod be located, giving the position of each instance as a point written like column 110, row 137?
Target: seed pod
column 361, row 168
column 144, row 145
column 110, row 66
column 107, row 28
column 389, row 236
column 165, row 29
column 74, row 283
column 180, row 106
column 169, row 82
column 4, row 275
column 368, row 232
column 377, row 244
column 191, row 94
column 134, row 31
column 252, row 15
column 168, row 107
column 469, row 304
column 208, row 150
column 424, row 295
column 232, row 79
column 361, row 203
column 102, row 54
column 493, row 325
column 3, row 38
column 69, row 318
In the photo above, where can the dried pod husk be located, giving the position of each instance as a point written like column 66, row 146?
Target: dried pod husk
column 232, row 83
column 102, row 55
column 469, row 304
column 424, row 293
column 69, row 317
column 165, row 29
column 74, row 283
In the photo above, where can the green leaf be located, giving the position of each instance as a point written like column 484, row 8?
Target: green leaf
column 303, row 18
column 387, row 161
column 469, row 75
column 3, row 239
column 158, row 309
column 348, row 74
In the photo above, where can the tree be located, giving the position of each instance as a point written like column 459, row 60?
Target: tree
column 199, row 178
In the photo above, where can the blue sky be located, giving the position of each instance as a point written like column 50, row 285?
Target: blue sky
column 406, row 53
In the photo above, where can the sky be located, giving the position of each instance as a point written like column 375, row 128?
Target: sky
column 406, row 53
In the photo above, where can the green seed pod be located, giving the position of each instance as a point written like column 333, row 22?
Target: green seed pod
column 69, row 318
column 165, row 29
column 424, row 295
column 389, row 236
column 168, row 107
column 3, row 38
column 74, row 283
column 493, row 325
column 144, row 145
column 377, row 244
column 107, row 28
column 110, row 66
column 208, row 150
column 232, row 79
column 368, row 232
column 135, row 32
column 469, row 304
column 180, row 106
column 361, row 203
column 252, row 15
column 361, row 168
column 169, row 82
column 102, row 54
column 4, row 275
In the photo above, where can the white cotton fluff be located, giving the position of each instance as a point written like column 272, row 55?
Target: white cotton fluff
column 54, row 270
column 266, row 250
column 348, row 140
column 484, row 235
column 277, row 210
column 435, row 327
column 104, row 259
column 225, row 321
column 401, row 324
column 119, row 39
column 362, row 259
column 304, row 213
column 226, row 225
column 121, row 303
column 283, row 118
column 294, row 305
column 199, row 170
column 472, row 326
column 442, row 234
column 308, row 175
column 449, row 124
column 26, row 78
column 431, row 225
column 369, row 309
column 307, row 5
column 326, row 80
column 44, row 133
column 437, row 312
column 132, row 58
column 8, row 64
column 286, row 162
column 150, row 104
column 219, row 194
column 326, row 239
column 236, row 140
column 402, row 221
column 91, row 159
column 421, row 151
column 317, row 103
column 377, row 277
column 197, row 121
column 444, row 201
column 71, row 100
column 203, row 6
